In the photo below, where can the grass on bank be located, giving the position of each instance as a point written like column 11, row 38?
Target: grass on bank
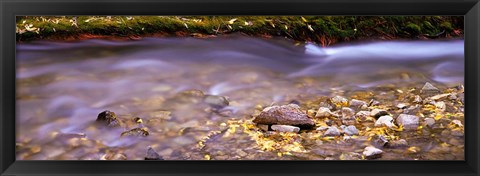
column 324, row 30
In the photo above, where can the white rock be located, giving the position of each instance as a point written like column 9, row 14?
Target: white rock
column 350, row 130
column 357, row 103
column 385, row 121
column 408, row 121
column 371, row 152
column 429, row 121
column 362, row 115
column 457, row 122
column 285, row 128
column 324, row 112
column 332, row 131
column 440, row 105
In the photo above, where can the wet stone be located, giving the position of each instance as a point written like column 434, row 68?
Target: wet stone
column 348, row 116
column 136, row 132
column 324, row 112
column 402, row 143
column 285, row 128
column 440, row 105
column 371, row 152
column 116, row 156
column 216, row 102
column 362, row 115
column 417, row 99
column 428, row 90
column 339, row 101
column 377, row 113
column 408, row 121
column 284, row 115
column 332, row 131
column 350, row 156
column 357, row 104
column 108, row 118
column 350, row 130
column 384, row 121
column 401, row 106
column 429, row 122
column 379, row 141
column 152, row 154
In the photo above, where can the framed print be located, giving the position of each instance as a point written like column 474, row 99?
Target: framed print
column 251, row 87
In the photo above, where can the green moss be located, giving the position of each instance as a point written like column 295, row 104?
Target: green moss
column 302, row 28
column 447, row 26
column 413, row 28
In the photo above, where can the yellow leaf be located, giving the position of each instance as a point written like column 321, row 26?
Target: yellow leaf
column 232, row 21
column 304, row 20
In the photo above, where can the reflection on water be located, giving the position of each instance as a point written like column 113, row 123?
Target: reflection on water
column 61, row 87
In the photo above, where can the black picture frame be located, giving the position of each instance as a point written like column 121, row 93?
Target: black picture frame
column 11, row 8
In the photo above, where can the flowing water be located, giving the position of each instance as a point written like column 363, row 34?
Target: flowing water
column 63, row 86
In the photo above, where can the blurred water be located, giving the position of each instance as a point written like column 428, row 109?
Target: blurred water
column 61, row 87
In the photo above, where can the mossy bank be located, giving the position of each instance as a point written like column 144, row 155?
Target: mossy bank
column 324, row 30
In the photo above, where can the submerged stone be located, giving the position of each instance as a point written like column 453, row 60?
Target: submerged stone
column 428, row 90
column 152, row 154
column 217, row 102
column 108, row 118
column 136, row 132
column 284, row 115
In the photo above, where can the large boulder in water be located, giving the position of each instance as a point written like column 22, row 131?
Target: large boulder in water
column 284, row 115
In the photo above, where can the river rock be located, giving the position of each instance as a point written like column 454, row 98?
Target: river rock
column 136, row 132
column 339, row 101
column 385, row 120
column 441, row 105
column 108, row 118
column 408, row 121
column 371, row 152
column 428, row 90
column 152, row 154
column 457, row 123
column 350, row 156
column 362, row 115
column 285, row 128
column 401, row 105
column 217, row 102
column 324, row 112
column 284, row 115
column 332, row 131
column 349, row 130
column 358, row 104
column 429, row 122
column 348, row 116
column 379, row 141
column 377, row 113
column 417, row 99
column 402, row 143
